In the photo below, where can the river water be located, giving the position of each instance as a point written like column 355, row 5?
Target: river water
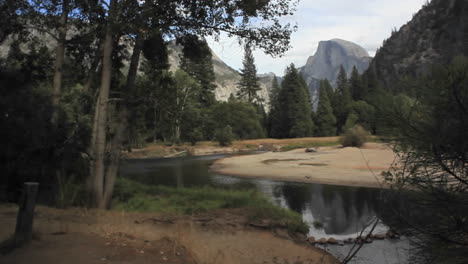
column 331, row 211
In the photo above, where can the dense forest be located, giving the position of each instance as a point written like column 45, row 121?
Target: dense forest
column 84, row 80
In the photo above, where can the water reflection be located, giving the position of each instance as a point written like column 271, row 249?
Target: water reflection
column 343, row 211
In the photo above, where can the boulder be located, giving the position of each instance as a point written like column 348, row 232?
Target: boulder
column 311, row 240
column 322, row 241
column 332, row 241
column 379, row 236
column 311, row 150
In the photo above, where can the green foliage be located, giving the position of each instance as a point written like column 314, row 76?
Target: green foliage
column 197, row 62
column 224, row 135
column 357, row 87
column 248, row 86
column 355, row 137
column 351, row 121
column 242, row 117
column 292, row 113
column 431, row 136
column 133, row 196
column 361, row 113
column 195, row 135
column 324, row 118
column 341, row 101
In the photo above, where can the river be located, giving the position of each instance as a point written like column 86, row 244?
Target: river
column 331, row 211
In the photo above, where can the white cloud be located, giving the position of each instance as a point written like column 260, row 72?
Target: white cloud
column 365, row 22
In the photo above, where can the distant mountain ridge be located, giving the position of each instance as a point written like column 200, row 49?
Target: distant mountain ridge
column 329, row 57
column 226, row 77
column 435, row 35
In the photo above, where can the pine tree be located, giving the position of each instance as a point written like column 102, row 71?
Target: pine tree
column 356, row 86
column 341, row 101
column 197, row 62
column 274, row 116
column 294, row 118
column 325, row 120
column 248, row 85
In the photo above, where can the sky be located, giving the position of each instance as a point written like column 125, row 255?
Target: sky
column 364, row 22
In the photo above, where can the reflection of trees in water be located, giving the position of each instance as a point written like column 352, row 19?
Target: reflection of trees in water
column 296, row 196
column 343, row 210
column 176, row 172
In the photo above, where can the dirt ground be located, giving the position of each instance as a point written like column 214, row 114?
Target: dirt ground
column 75, row 236
column 329, row 165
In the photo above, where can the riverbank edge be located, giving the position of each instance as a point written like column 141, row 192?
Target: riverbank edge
column 220, row 169
column 116, row 223
column 221, row 166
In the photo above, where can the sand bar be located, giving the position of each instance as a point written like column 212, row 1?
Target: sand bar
column 329, row 165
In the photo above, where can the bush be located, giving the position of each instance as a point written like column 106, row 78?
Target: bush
column 195, row 135
column 354, row 137
column 224, row 136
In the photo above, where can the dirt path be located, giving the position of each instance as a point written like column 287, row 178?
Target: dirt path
column 330, row 165
column 79, row 236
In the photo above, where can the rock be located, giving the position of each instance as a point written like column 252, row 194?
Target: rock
column 332, row 241
column 423, row 42
column 359, row 239
column 341, row 242
column 322, row 241
column 326, row 63
column 368, row 240
column 311, row 150
column 392, row 234
column 300, row 236
column 379, row 236
column 349, row 240
column 311, row 240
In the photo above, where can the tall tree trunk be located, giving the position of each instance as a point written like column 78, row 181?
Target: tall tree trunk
column 99, row 134
column 60, row 56
column 121, row 124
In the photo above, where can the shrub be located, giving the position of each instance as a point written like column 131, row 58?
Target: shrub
column 224, row 136
column 354, row 137
column 195, row 135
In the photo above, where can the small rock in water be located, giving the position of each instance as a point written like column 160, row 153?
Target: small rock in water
column 322, row 241
column 379, row 236
column 311, row 240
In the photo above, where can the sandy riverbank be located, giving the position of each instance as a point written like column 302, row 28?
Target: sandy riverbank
column 77, row 236
column 330, row 165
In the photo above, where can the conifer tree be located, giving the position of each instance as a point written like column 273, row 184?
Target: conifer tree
column 248, row 85
column 274, row 115
column 325, row 120
column 197, row 62
column 356, row 86
column 294, row 119
column 341, row 101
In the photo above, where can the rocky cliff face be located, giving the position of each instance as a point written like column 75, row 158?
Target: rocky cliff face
column 226, row 77
column 435, row 35
column 326, row 62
